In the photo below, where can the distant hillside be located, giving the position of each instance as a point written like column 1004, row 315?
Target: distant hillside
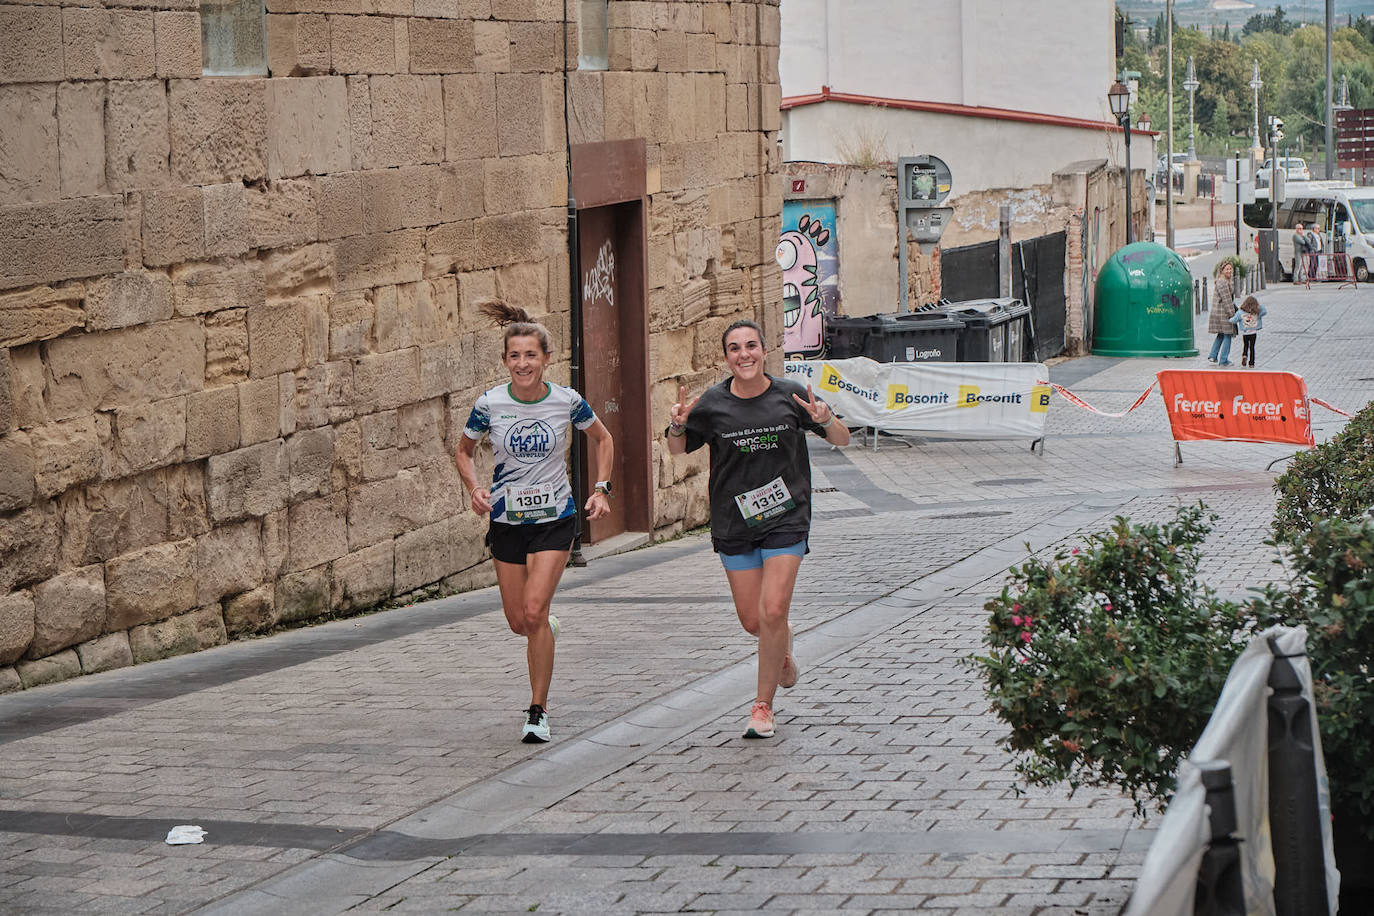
column 1207, row 14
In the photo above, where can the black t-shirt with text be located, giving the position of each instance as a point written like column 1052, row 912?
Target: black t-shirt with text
column 760, row 470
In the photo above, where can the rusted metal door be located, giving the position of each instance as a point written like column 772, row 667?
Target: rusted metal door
column 608, row 181
column 601, row 265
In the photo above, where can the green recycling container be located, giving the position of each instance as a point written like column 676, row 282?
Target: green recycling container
column 1144, row 304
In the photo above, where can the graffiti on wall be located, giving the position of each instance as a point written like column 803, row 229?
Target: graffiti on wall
column 598, row 283
column 808, row 253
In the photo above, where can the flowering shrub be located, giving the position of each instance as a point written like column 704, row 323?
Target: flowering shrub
column 1333, row 596
column 1106, row 660
column 1333, row 480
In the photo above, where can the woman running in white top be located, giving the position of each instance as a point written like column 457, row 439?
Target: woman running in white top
column 530, row 500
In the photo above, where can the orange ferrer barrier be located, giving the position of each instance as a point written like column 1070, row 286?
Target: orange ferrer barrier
column 1245, row 406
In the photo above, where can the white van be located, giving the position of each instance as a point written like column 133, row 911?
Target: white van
column 1342, row 213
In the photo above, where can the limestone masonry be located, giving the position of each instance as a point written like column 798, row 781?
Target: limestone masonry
column 238, row 334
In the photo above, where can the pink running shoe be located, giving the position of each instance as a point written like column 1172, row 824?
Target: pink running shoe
column 760, row 721
column 790, row 671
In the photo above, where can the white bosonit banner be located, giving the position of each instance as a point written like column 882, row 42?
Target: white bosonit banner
column 993, row 400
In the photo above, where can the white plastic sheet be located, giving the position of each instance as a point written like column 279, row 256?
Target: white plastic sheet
column 1238, row 734
column 185, row 835
column 984, row 400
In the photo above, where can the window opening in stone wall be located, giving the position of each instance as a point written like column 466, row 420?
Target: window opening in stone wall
column 233, row 38
column 593, row 41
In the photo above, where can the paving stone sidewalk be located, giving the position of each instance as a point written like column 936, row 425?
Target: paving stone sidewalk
column 370, row 764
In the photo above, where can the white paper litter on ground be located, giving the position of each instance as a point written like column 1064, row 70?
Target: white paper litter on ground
column 185, row 834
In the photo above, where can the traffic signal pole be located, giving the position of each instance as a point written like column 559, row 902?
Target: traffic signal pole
column 1238, row 183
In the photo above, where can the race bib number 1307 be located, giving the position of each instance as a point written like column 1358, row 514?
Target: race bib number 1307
column 527, row 504
column 765, row 502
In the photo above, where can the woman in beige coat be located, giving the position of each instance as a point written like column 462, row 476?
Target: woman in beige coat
column 1224, row 306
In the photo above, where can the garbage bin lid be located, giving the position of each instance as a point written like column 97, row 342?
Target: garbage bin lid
column 988, row 307
column 857, row 321
column 921, row 321
column 985, row 305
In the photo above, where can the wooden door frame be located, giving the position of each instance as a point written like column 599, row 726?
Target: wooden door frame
column 613, row 174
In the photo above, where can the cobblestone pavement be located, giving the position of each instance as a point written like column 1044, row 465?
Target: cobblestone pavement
column 371, row 764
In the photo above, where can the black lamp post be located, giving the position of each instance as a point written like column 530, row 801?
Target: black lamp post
column 1119, row 97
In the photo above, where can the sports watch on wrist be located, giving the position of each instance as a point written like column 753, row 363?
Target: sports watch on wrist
column 603, row 486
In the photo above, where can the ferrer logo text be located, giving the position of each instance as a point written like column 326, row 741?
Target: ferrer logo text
column 1243, row 408
column 1183, row 405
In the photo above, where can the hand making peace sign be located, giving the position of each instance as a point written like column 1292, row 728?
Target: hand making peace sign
column 819, row 410
column 678, row 415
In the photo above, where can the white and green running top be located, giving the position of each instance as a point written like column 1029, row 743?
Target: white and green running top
column 529, row 440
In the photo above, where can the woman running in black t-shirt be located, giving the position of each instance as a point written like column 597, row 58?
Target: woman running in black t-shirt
column 760, row 490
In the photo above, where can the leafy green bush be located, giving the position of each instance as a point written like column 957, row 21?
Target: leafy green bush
column 1332, row 594
column 1106, row 661
column 1333, row 480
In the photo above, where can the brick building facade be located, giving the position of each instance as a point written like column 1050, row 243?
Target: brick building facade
column 238, row 334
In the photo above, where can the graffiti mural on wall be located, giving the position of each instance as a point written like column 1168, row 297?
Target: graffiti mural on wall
column 808, row 254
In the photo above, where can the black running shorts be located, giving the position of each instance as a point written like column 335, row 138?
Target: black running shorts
column 511, row 543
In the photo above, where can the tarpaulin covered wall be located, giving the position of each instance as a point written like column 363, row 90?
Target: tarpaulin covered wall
column 1237, row 733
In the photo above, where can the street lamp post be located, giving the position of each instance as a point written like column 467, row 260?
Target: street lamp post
column 1190, row 84
column 1256, row 84
column 1119, row 98
column 1343, row 104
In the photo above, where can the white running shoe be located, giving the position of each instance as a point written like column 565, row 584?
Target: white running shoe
column 554, row 626
column 536, row 728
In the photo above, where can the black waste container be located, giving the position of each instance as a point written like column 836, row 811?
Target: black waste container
column 919, row 337
column 913, row 338
column 1269, row 255
column 995, row 330
column 850, row 336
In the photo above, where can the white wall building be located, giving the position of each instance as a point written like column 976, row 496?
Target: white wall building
column 1005, row 93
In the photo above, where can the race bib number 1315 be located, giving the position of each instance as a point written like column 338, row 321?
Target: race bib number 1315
column 765, row 502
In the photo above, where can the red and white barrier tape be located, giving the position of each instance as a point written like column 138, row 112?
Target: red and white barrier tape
column 1320, row 403
column 1074, row 399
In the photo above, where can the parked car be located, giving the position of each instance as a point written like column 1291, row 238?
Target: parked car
column 1293, row 168
column 1177, row 168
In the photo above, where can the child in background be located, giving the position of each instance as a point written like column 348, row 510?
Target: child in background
column 1248, row 319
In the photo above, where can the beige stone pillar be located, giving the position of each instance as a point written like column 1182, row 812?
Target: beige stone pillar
column 1191, row 171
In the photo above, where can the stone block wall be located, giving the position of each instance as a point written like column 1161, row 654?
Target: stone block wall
column 238, row 327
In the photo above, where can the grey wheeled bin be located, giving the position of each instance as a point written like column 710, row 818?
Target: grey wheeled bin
column 851, row 336
column 995, row 330
column 920, row 337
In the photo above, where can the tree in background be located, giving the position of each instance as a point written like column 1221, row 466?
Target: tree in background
column 1292, row 64
column 1220, row 123
column 1365, row 27
column 1277, row 23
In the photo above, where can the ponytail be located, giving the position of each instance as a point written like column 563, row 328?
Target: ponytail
column 516, row 321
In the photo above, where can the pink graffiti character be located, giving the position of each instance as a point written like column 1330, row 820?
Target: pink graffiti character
column 801, row 300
